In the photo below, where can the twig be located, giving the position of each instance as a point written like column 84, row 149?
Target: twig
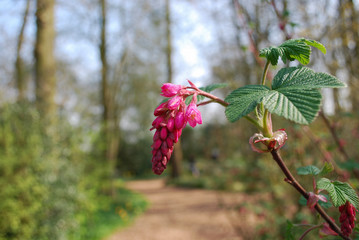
column 308, row 230
column 292, row 181
column 334, row 134
column 214, row 98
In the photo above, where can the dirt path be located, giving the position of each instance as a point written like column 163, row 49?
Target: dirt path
column 186, row 214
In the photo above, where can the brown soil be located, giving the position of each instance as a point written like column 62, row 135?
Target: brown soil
column 188, row 214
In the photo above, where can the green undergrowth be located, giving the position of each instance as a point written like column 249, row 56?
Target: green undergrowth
column 118, row 214
column 228, row 177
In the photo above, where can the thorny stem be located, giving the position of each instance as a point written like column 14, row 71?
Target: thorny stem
column 292, row 181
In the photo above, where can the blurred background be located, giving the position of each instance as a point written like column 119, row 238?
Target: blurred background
column 79, row 81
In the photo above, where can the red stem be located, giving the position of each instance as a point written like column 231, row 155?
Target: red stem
column 292, row 181
column 308, row 230
column 214, row 98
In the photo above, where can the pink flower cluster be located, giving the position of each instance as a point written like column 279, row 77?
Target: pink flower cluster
column 347, row 218
column 171, row 117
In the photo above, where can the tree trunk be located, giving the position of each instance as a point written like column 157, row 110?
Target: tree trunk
column 19, row 65
column 177, row 155
column 349, row 29
column 104, row 65
column 45, row 65
column 109, row 130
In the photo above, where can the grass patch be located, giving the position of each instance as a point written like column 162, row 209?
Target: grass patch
column 117, row 214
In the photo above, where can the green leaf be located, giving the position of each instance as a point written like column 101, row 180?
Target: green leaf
column 313, row 170
column 214, row 86
column 325, row 204
column 327, row 168
column 295, row 94
column 243, row 100
column 300, row 106
column 315, row 44
column 289, row 231
column 339, row 192
column 308, row 170
column 208, row 89
column 292, row 49
column 304, row 78
column 349, row 165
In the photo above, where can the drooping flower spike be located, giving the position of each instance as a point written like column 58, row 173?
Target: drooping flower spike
column 347, row 218
column 172, row 117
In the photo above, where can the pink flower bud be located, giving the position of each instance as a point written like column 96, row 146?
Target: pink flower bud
column 164, row 148
column 343, row 217
column 170, row 90
column 158, row 168
column 164, row 161
column 169, row 142
column 154, row 151
column 174, row 102
column 156, row 136
column 171, row 135
column 163, row 133
column 162, row 108
column 157, row 122
column 193, row 115
column 171, row 124
column 176, row 134
column 180, row 120
column 157, row 144
column 169, row 153
column 157, row 157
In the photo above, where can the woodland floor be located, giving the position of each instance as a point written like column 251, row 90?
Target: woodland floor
column 189, row 214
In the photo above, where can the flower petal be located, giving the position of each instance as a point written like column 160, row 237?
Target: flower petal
column 174, row 102
column 170, row 90
column 193, row 115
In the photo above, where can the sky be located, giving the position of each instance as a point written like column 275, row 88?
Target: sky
column 192, row 33
column 192, row 36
